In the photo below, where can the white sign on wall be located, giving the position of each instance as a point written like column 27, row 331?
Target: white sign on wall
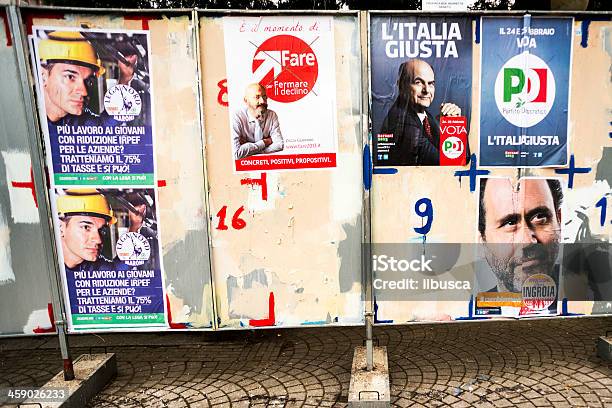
column 445, row 5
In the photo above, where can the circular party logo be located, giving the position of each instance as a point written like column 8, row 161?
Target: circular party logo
column 539, row 292
column 288, row 68
column 452, row 147
column 122, row 102
column 525, row 90
column 133, row 248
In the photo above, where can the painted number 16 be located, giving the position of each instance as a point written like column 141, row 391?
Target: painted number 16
column 237, row 222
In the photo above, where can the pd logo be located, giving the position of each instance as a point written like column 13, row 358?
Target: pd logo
column 287, row 66
column 525, row 90
column 453, row 140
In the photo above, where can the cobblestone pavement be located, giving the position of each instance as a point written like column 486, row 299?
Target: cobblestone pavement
column 529, row 363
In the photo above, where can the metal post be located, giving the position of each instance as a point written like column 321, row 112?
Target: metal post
column 369, row 347
column 195, row 17
column 366, row 224
column 36, row 153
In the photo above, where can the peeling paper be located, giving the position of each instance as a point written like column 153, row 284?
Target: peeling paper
column 353, row 308
column 346, row 192
column 179, row 310
column 583, row 200
column 23, row 208
column 38, row 318
column 6, row 269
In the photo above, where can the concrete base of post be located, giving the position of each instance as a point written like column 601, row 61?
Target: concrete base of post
column 369, row 389
column 604, row 348
column 92, row 373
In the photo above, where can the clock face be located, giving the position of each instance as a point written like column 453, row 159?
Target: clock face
column 122, row 102
column 133, row 248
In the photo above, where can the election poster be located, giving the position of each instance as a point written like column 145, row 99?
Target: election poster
column 281, row 92
column 95, row 94
column 525, row 79
column 110, row 251
column 518, row 266
column 421, row 75
column 94, row 99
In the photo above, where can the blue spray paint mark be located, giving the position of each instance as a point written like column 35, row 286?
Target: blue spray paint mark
column 388, row 170
column 473, row 173
column 564, row 311
column 367, row 167
column 585, row 33
column 585, row 29
column 571, row 171
column 426, row 213
column 477, row 33
column 316, row 323
column 603, row 204
column 376, row 314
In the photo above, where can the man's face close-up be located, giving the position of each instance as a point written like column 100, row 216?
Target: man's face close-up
column 522, row 231
column 256, row 99
column 82, row 238
column 422, row 87
column 65, row 90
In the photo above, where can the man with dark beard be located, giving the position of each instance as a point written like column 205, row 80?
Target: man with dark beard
column 520, row 229
column 255, row 128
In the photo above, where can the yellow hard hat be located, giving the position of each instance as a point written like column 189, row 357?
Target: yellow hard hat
column 69, row 46
column 85, row 201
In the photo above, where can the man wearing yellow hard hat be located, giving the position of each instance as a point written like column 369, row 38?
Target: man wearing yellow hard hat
column 69, row 63
column 84, row 219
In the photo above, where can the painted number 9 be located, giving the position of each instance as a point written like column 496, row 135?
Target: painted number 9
column 424, row 209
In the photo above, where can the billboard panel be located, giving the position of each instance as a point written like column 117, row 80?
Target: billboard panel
column 525, row 82
column 94, row 91
column 421, row 70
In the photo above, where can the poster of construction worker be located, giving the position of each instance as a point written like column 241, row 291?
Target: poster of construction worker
column 518, row 270
column 524, row 97
column 281, row 92
column 108, row 244
column 95, row 105
column 94, row 99
column 421, row 84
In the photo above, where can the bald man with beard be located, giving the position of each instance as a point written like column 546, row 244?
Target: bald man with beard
column 416, row 133
column 255, row 128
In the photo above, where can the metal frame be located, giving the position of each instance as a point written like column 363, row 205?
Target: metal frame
column 364, row 122
column 40, row 181
column 366, row 246
column 15, row 14
column 196, row 24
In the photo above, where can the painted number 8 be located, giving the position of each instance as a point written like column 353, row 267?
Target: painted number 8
column 424, row 209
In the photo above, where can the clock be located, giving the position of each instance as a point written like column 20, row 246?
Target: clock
column 122, row 102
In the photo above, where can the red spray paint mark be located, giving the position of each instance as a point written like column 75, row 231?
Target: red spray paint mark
column 7, row 29
column 271, row 320
column 29, row 19
column 27, row 184
column 262, row 181
column 170, row 323
column 145, row 20
column 222, row 84
column 51, row 329
column 161, row 183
